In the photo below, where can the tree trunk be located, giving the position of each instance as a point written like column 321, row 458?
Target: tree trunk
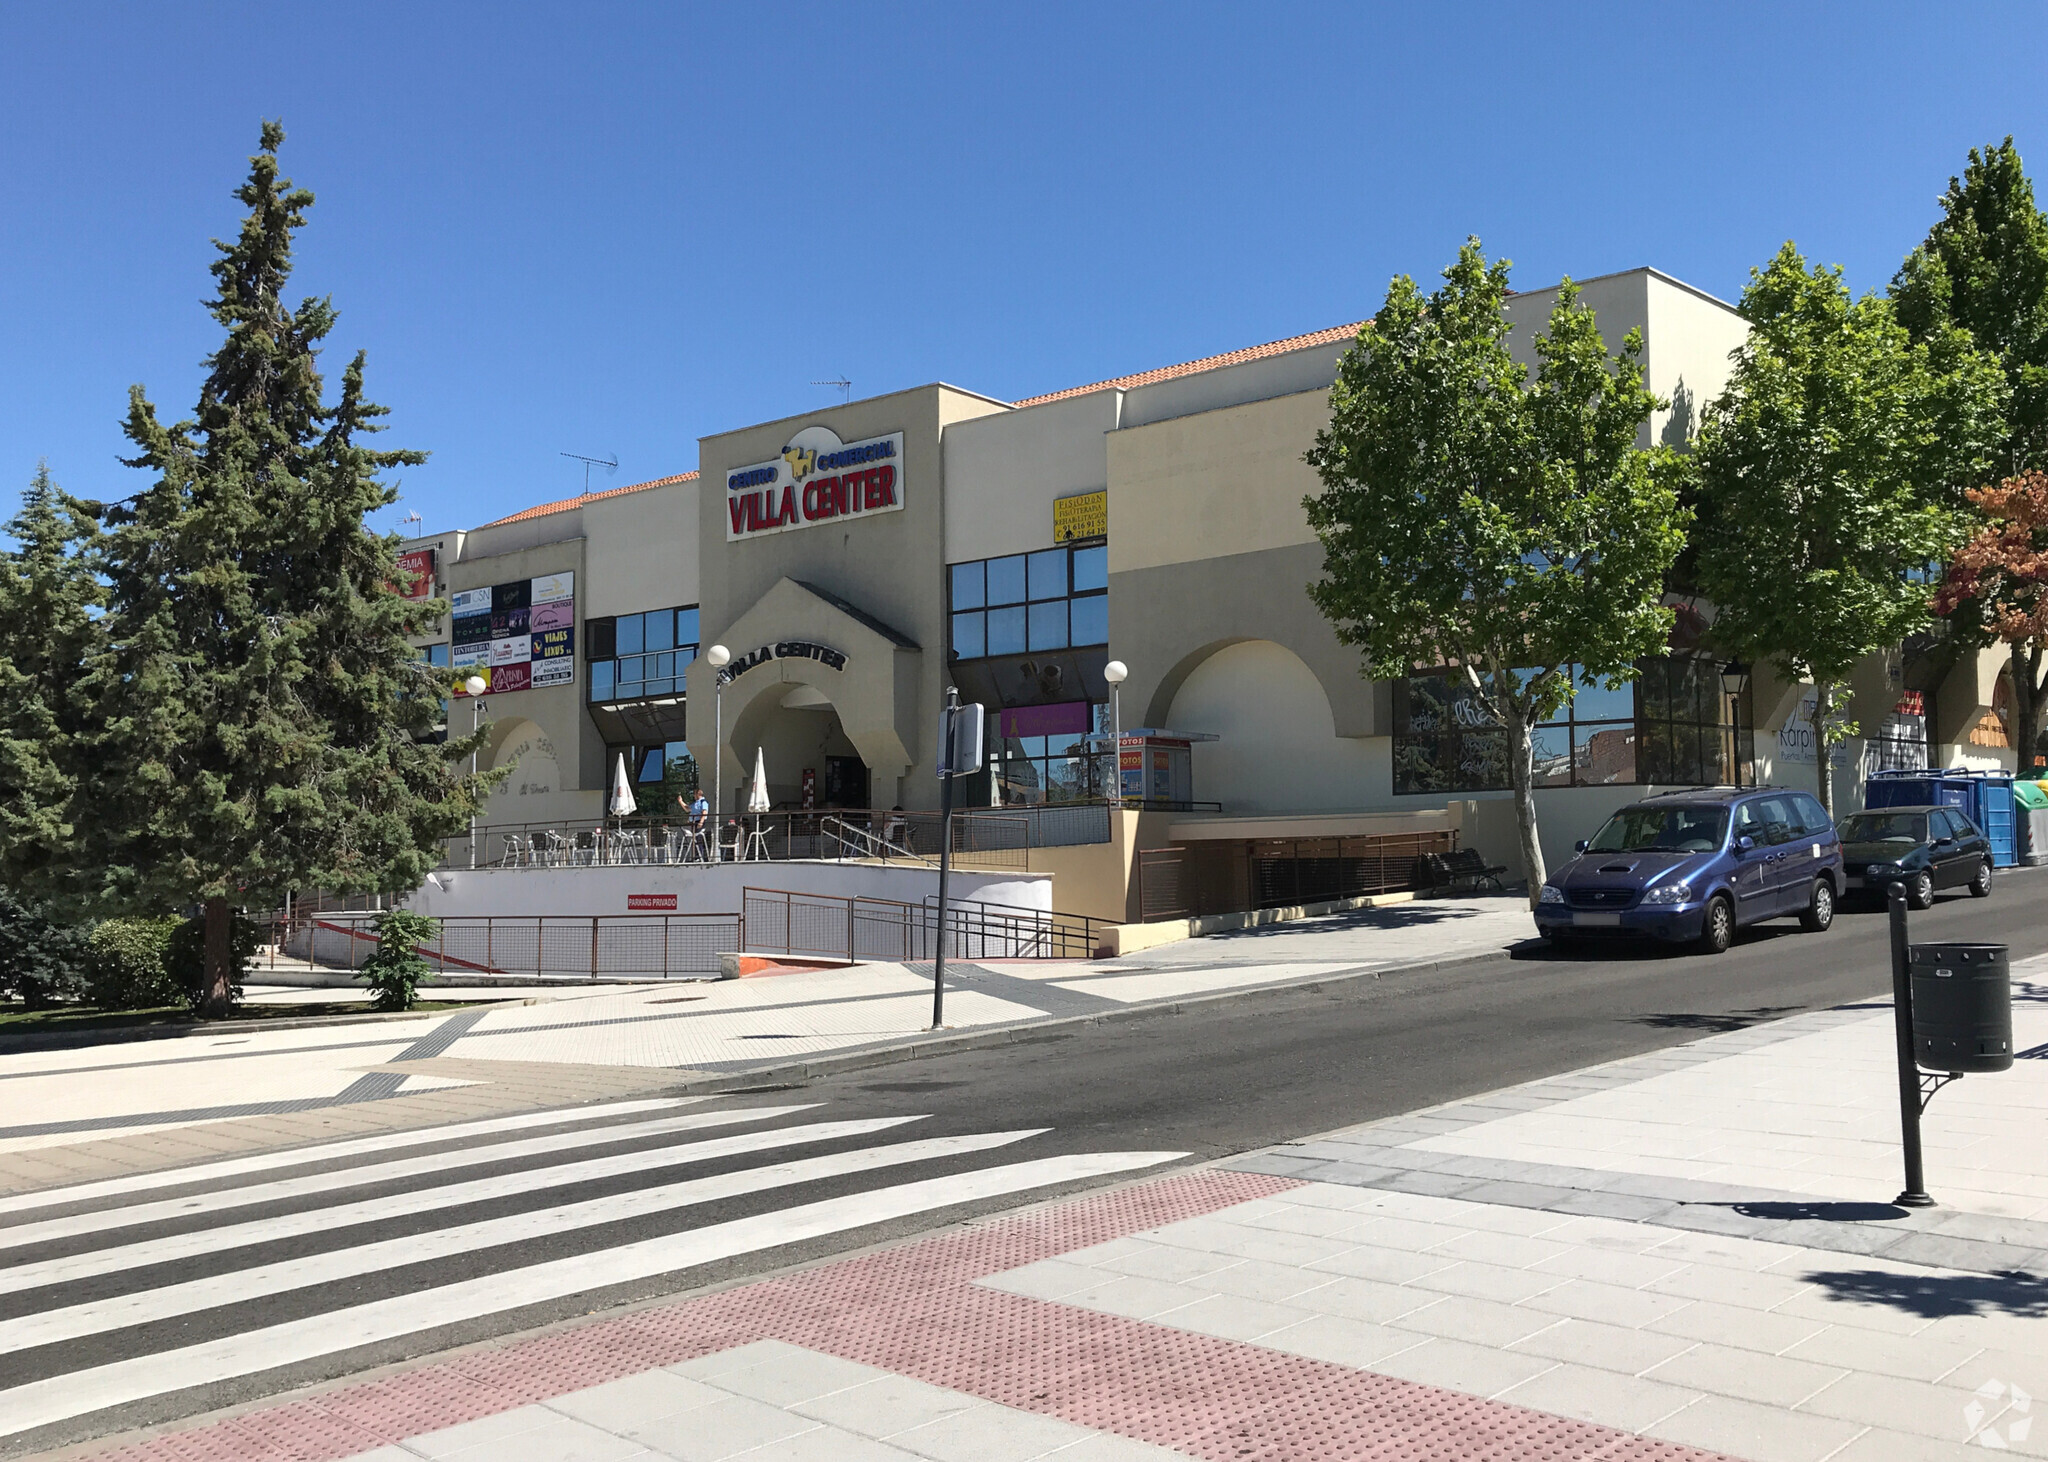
column 2029, row 702
column 216, row 994
column 1521, row 777
column 1823, row 707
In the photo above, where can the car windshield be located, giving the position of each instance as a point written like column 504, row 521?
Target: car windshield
column 1662, row 830
column 1885, row 827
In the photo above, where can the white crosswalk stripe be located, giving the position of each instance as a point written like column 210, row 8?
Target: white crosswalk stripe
column 148, row 1296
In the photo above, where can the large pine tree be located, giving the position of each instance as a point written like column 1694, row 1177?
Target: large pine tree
column 48, row 596
column 259, row 712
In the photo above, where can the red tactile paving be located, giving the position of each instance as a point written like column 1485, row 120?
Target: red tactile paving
column 915, row 1310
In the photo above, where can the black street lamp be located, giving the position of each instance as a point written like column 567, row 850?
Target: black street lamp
column 1734, row 681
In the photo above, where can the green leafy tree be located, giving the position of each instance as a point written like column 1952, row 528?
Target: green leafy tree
column 1831, row 474
column 1984, row 268
column 48, row 600
column 1504, row 527
column 396, row 969
column 260, row 713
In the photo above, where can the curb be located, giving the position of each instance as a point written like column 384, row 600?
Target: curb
column 1019, row 1032
column 23, row 1042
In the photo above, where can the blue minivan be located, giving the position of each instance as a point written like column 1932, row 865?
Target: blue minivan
column 1697, row 866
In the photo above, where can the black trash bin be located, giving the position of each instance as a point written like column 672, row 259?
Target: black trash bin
column 1962, row 1007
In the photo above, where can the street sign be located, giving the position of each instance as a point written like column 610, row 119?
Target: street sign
column 961, row 739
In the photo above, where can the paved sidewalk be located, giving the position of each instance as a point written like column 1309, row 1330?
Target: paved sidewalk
column 82, row 1112
column 1679, row 1256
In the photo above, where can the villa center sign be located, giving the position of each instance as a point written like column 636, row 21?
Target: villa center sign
column 817, row 479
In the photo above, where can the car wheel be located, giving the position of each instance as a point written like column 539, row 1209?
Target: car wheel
column 1920, row 890
column 1980, row 886
column 1717, row 929
column 1821, row 911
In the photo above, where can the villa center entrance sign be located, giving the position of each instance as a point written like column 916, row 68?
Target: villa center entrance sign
column 817, row 479
column 825, row 655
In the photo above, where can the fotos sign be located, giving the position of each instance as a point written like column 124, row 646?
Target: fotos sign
column 817, row 479
column 518, row 636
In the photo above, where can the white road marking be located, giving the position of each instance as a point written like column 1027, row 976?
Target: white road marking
column 55, row 1398
column 269, row 1279
column 235, row 1167
column 172, row 1248
column 38, row 1231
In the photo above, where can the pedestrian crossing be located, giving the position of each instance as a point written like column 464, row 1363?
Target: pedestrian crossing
column 165, row 1292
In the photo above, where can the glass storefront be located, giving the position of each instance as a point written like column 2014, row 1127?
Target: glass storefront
column 1673, row 725
column 636, row 656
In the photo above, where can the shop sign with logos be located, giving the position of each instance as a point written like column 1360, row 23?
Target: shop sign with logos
column 415, row 574
column 830, row 658
column 817, row 479
column 519, row 635
column 1084, row 515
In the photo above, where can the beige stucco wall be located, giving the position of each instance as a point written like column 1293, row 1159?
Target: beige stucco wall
column 647, row 545
column 890, row 566
column 1007, row 468
column 1220, row 482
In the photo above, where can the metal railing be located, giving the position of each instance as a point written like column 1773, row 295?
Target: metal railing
column 552, row 946
column 979, row 839
column 834, row 926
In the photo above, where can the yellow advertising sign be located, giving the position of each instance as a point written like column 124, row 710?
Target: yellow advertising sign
column 1085, row 515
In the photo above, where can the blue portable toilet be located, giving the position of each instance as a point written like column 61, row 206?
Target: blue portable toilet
column 1985, row 797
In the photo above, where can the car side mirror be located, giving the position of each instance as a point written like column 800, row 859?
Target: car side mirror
column 1581, row 845
column 1744, row 843
column 1943, row 841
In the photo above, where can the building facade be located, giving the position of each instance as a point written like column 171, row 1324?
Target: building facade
column 858, row 561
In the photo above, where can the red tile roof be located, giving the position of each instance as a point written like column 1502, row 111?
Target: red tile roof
column 1331, row 336
column 589, row 497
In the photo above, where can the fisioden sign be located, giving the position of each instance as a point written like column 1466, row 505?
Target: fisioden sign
column 817, row 479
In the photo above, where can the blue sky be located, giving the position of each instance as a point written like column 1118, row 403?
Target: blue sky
column 608, row 228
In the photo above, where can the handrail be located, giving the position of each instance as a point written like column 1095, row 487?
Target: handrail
column 873, row 844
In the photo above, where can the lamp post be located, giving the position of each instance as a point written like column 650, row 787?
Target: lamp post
column 476, row 685
column 717, row 657
column 1116, row 672
column 1734, row 680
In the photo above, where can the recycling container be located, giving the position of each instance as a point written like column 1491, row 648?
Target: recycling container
column 1986, row 798
column 1962, row 1007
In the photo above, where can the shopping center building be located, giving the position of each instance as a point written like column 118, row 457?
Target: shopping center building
column 859, row 560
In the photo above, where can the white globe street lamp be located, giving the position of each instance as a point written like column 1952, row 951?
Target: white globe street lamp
column 1116, row 672
column 476, row 685
column 718, row 657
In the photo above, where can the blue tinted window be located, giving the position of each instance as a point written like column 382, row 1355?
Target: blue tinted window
column 1006, row 580
column 1091, row 620
column 1091, row 568
column 684, row 656
column 686, row 629
column 967, row 586
column 650, row 765
column 1048, row 574
column 661, row 629
column 632, row 669
column 658, row 687
column 1049, row 625
column 1594, row 703
column 600, row 680
column 437, row 655
column 630, row 640
column 968, row 641
column 664, row 665
column 1006, row 631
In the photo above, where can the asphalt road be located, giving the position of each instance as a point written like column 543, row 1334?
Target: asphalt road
column 1217, row 1080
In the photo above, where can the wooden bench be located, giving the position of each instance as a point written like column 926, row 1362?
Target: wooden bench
column 1464, row 866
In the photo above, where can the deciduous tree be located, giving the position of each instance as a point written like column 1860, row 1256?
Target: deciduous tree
column 2003, row 572
column 1831, row 474
column 1473, row 518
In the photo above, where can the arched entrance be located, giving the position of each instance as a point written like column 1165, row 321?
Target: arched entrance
column 1277, row 749
column 803, row 741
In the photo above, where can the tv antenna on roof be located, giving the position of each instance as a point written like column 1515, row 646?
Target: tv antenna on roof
column 410, row 520
column 845, row 387
column 610, row 465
